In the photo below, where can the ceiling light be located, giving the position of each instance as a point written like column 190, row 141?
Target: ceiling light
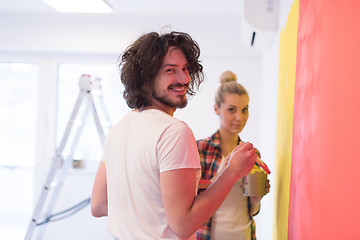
column 80, row 6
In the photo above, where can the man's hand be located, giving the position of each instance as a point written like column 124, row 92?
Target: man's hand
column 242, row 159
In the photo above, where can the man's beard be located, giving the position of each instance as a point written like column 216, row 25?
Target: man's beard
column 166, row 100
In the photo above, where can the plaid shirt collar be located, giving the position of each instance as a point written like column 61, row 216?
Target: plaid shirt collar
column 215, row 139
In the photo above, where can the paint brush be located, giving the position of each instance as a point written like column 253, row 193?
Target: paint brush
column 260, row 162
column 262, row 165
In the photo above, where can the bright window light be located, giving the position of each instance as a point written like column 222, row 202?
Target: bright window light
column 80, row 6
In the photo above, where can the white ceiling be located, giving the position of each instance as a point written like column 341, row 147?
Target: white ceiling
column 136, row 7
column 31, row 25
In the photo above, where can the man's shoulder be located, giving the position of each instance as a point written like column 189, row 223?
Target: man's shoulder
column 157, row 120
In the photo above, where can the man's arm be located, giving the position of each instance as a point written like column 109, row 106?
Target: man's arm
column 185, row 211
column 99, row 204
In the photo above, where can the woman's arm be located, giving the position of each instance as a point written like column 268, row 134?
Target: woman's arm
column 99, row 204
column 255, row 201
column 254, row 205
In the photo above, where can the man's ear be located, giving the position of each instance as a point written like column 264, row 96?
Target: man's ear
column 217, row 110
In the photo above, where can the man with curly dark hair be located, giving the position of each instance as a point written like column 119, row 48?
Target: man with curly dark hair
column 142, row 61
column 148, row 177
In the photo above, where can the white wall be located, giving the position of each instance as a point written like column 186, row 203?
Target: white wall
column 268, row 123
column 51, row 38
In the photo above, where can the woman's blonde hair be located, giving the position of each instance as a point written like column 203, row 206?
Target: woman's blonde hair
column 229, row 85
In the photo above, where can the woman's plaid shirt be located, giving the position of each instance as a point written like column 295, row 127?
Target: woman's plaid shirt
column 210, row 158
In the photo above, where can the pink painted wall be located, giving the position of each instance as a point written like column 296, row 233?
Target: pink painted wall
column 325, row 171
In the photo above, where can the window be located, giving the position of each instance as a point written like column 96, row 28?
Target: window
column 25, row 87
column 18, row 104
column 18, row 111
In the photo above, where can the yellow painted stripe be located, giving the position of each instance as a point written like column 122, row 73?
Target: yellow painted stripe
column 286, row 88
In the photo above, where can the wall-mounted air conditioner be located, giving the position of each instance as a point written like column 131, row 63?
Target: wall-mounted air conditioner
column 260, row 23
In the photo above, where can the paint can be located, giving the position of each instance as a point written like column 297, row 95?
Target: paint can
column 254, row 184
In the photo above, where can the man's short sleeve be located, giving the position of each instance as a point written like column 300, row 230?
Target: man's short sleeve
column 177, row 148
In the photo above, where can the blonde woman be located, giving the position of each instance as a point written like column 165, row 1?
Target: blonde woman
column 233, row 220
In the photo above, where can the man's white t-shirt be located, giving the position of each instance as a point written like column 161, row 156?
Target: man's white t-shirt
column 137, row 149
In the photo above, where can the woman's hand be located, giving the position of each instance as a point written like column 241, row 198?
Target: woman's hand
column 267, row 188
